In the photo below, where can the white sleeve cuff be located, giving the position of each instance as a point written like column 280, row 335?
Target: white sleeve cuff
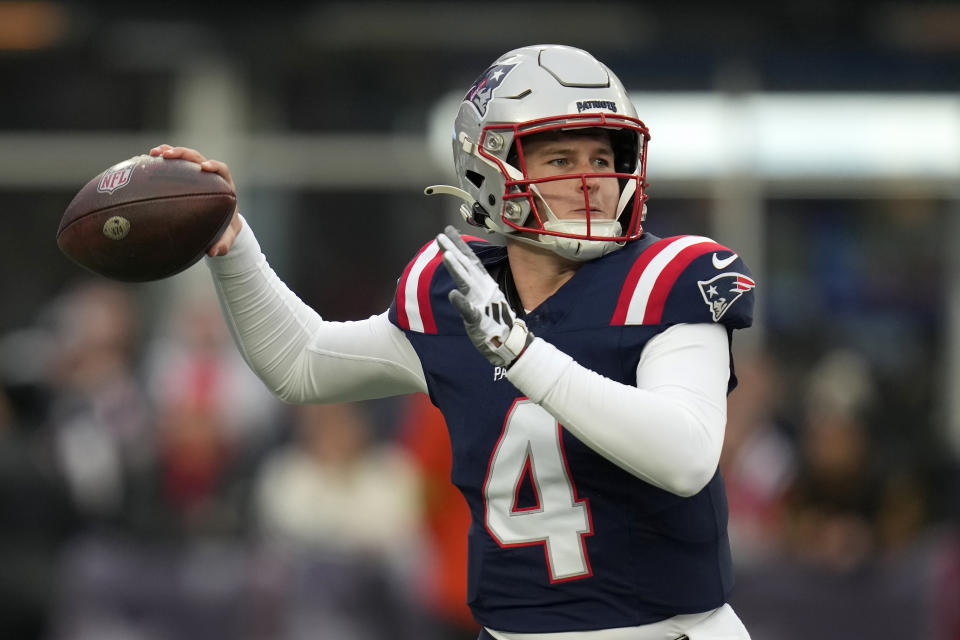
column 536, row 372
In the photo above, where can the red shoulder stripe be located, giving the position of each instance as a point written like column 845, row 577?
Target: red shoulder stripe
column 413, row 291
column 423, row 294
column 414, row 309
column 668, row 277
column 654, row 273
column 630, row 284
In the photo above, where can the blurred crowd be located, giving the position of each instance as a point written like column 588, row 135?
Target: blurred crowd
column 153, row 489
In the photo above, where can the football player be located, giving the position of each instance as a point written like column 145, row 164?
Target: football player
column 582, row 365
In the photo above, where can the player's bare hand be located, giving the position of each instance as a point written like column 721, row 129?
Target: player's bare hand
column 223, row 244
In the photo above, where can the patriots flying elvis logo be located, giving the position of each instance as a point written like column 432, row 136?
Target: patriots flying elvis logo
column 482, row 90
column 720, row 292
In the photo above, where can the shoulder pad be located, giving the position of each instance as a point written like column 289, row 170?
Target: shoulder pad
column 686, row 279
column 412, row 307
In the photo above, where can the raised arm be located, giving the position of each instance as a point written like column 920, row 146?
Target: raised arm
column 300, row 356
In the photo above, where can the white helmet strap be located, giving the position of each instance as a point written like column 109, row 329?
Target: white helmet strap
column 628, row 190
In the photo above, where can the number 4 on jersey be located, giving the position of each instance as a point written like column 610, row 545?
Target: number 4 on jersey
column 531, row 443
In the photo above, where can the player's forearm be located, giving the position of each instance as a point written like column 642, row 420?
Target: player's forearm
column 297, row 354
column 670, row 434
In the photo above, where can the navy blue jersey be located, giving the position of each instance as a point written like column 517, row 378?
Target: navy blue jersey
column 561, row 538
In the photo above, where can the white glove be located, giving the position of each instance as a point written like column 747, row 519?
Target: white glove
column 490, row 324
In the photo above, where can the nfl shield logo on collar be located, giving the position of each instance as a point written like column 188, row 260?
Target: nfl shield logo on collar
column 720, row 292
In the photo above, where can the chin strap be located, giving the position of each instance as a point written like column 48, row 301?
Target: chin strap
column 470, row 210
column 447, row 190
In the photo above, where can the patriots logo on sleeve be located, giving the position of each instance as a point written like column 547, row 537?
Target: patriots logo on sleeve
column 661, row 285
column 482, row 90
column 720, row 292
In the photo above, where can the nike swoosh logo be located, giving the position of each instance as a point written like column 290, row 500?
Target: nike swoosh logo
column 723, row 264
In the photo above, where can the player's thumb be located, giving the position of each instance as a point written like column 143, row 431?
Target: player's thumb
column 222, row 246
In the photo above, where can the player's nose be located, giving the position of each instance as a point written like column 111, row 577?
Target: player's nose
column 589, row 182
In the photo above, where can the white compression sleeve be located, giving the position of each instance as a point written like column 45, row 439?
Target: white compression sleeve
column 300, row 356
column 668, row 430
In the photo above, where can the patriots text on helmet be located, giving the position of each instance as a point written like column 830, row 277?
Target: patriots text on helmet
column 607, row 105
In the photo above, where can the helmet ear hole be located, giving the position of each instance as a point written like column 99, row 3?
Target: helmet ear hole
column 475, row 178
column 625, row 150
column 513, row 157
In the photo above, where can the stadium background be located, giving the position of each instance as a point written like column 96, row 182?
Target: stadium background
column 151, row 490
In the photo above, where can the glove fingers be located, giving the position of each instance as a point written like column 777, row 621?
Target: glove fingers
column 446, row 244
column 451, row 232
column 457, row 270
column 459, row 301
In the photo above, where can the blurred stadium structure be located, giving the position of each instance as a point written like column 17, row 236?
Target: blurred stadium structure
column 822, row 139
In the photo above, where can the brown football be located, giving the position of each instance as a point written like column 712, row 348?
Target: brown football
column 146, row 218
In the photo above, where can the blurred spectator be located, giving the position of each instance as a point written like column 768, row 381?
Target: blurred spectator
column 215, row 419
column 81, row 429
column 758, row 460
column 36, row 518
column 155, row 437
column 854, row 562
column 849, row 502
column 339, row 511
column 446, row 518
column 192, row 359
column 101, row 415
column 336, row 487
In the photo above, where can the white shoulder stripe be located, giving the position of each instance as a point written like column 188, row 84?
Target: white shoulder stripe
column 641, row 293
column 411, row 301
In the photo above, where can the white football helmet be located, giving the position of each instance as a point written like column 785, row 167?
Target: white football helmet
column 535, row 90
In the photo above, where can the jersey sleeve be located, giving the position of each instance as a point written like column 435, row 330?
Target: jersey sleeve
column 298, row 355
column 420, row 304
column 667, row 429
column 687, row 279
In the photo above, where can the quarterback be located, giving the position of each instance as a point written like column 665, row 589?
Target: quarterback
column 581, row 364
